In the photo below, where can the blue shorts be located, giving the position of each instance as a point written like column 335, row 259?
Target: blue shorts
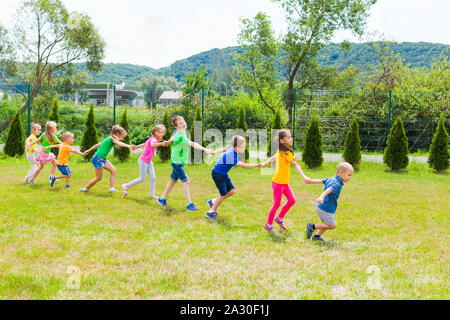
column 98, row 162
column 223, row 183
column 178, row 173
column 64, row 169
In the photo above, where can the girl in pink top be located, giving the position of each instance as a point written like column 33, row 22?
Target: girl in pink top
column 145, row 160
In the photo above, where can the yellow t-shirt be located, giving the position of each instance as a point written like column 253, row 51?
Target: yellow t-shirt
column 283, row 167
column 32, row 138
column 63, row 154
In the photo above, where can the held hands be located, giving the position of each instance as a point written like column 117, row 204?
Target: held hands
column 165, row 143
column 307, row 180
column 132, row 147
column 84, row 154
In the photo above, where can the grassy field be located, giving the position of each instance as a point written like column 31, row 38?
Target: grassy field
column 391, row 241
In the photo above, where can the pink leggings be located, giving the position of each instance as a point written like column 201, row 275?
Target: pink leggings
column 278, row 191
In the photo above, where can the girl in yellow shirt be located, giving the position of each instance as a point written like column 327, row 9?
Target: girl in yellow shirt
column 280, row 182
column 31, row 150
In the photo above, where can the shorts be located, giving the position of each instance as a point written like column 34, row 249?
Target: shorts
column 98, row 162
column 178, row 173
column 223, row 183
column 44, row 158
column 64, row 169
column 326, row 217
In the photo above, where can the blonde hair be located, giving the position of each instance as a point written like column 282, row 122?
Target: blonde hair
column 67, row 134
column 344, row 167
column 35, row 126
column 118, row 130
column 48, row 135
column 158, row 127
column 237, row 141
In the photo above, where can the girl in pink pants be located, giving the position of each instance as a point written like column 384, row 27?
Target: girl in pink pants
column 280, row 182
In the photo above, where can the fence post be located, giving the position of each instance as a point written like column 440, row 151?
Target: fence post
column 293, row 123
column 390, row 108
column 114, row 104
column 29, row 109
column 203, row 107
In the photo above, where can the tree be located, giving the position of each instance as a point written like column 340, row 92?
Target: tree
column 352, row 146
column 256, row 63
column 439, row 155
column 154, row 86
column 123, row 154
column 275, row 126
column 46, row 39
column 195, row 82
column 198, row 117
column 396, row 152
column 15, row 143
column 311, row 25
column 312, row 152
column 164, row 153
column 90, row 135
column 241, row 124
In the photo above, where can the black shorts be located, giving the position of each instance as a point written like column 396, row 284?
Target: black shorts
column 223, row 183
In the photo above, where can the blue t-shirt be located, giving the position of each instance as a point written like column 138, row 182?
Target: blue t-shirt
column 227, row 161
column 330, row 202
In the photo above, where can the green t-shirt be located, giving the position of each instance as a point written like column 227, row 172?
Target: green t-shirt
column 180, row 149
column 105, row 148
column 46, row 143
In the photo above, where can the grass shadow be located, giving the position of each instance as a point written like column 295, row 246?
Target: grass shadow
column 277, row 237
column 168, row 211
column 225, row 223
column 139, row 201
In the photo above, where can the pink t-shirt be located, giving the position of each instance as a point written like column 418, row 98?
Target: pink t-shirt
column 149, row 152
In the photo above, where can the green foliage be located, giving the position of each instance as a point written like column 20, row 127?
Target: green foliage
column 198, row 117
column 352, row 146
column 90, row 135
column 153, row 86
column 195, row 83
column 439, row 154
column 15, row 143
column 123, row 154
column 165, row 152
column 396, row 152
column 312, row 152
column 241, row 124
column 275, row 126
column 5, row 95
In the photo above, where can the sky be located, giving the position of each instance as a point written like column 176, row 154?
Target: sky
column 156, row 33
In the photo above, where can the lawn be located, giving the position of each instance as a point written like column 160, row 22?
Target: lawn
column 391, row 240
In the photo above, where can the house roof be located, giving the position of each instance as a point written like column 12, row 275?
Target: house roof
column 171, row 95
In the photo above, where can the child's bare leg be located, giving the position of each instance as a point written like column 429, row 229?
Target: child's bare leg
column 321, row 228
column 38, row 170
column 68, row 180
column 98, row 177
column 220, row 199
column 187, row 194
column 53, row 167
column 113, row 171
column 169, row 188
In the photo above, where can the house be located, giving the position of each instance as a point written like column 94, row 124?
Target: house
column 104, row 94
column 171, row 97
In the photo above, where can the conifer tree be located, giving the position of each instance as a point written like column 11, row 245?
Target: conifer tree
column 15, row 142
column 123, row 154
column 90, row 135
column 439, row 155
column 165, row 152
column 352, row 147
column 312, row 152
column 396, row 152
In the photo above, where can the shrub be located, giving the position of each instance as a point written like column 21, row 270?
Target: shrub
column 90, row 135
column 396, row 152
column 165, row 152
column 198, row 117
column 275, row 126
column 352, row 146
column 15, row 143
column 123, row 154
column 241, row 124
column 312, row 152
column 439, row 155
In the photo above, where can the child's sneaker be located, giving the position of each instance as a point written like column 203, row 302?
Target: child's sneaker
column 211, row 215
column 191, row 207
column 26, row 180
column 52, row 180
column 318, row 238
column 268, row 228
column 162, row 202
column 32, row 181
column 125, row 190
column 67, row 186
column 84, row 190
column 112, row 190
column 281, row 223
column 210, row 203
column 309, row 230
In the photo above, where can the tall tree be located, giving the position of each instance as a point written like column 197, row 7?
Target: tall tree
column 195, row 82
column 46, row 39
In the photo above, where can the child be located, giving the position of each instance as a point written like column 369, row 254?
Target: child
column 31, row 151
column 48, row 138
column 327, row 202
column 179, row 157
column 62, row 161
column 220, row 173
column 100, row 162
column 145, row 160
column 280, row 182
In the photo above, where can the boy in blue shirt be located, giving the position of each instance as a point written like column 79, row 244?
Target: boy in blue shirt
column 220, row 173
column 327, row 202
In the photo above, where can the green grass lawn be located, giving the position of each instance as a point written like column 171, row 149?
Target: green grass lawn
column 391, row 240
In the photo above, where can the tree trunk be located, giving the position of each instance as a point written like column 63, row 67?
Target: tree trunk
column 290, row 99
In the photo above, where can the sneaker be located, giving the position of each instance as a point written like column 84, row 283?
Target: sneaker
column 67, row 186
column 32, row 181
column 281, row 223
column 191, row 207
column 162, row 202
column 268, row 228
column 112, row 190
column 210, row 203
column 125, row 190
column 309, row 230
column 26, row 180
column 211, row 215
column 84, row 190
column 319, row 238
column 52, row 180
